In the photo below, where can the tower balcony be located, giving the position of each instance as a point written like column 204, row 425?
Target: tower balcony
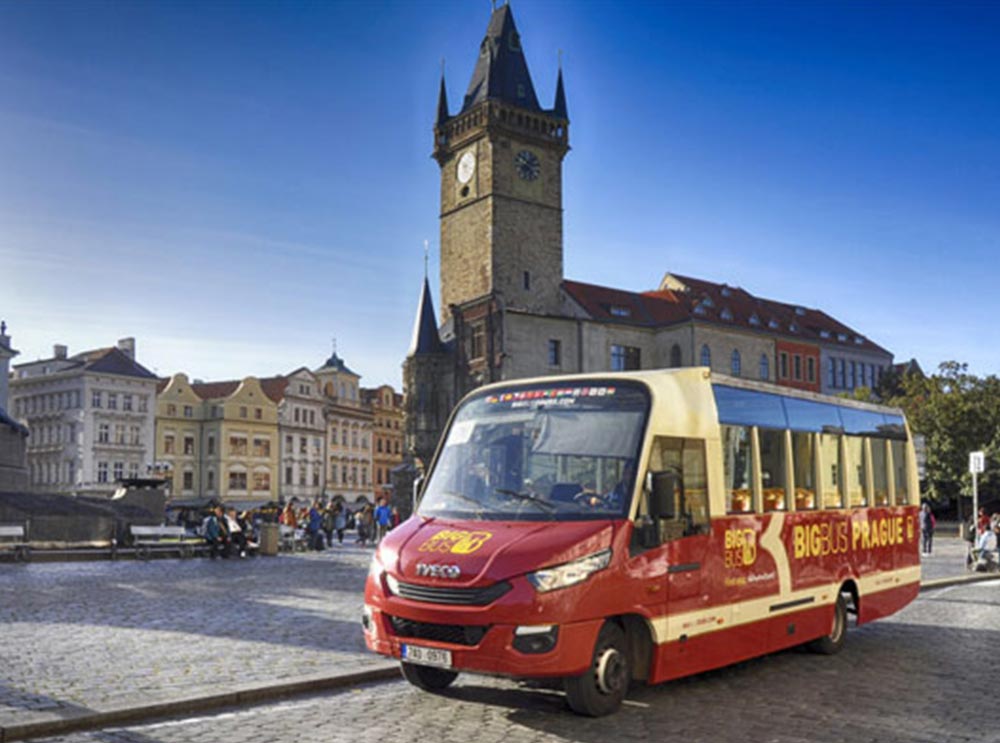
column 494, row 117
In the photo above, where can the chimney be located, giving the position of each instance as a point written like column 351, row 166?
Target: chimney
column 59, row 351
column 127, row 347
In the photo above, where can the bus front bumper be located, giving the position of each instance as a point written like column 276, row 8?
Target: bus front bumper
column 521, row 651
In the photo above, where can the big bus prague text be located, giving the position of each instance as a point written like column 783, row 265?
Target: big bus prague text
column 632, row 527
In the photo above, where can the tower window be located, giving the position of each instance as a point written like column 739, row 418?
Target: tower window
column 527, row 281
column 477, row 345
column 555, row 352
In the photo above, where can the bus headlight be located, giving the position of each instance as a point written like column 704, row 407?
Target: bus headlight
column 562, row 576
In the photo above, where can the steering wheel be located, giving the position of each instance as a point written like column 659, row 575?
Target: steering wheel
column 588, row 498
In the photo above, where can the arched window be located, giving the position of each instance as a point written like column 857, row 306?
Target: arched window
column 765, row 367
column 675, row 356
column 736, row 363
column 706, row 356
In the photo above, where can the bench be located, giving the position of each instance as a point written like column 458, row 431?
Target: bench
column 149, row 539
column 14, row 538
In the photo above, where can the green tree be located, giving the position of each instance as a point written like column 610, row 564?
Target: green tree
column 957, row 412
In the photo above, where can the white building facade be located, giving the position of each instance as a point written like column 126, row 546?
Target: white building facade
column 302, row 431
column 90, row 416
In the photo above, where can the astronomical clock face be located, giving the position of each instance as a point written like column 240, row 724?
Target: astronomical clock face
column 527, row 165
column 466, row 167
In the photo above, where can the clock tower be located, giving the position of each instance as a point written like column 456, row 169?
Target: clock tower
column 501, row 184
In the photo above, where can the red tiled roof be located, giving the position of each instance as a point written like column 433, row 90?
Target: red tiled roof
column 649, row 309
column 273, row 387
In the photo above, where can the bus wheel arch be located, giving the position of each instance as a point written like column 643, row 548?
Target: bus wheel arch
column 600, row 690
column 639, row 638
column 849, row 589
column 834, row 642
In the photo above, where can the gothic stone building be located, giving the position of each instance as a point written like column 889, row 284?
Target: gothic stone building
column 507, row 312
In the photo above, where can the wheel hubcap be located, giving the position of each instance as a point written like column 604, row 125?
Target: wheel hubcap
column 609, row 671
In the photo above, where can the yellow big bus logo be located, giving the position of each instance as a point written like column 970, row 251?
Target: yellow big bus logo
column 456, row 542
column 741, row 548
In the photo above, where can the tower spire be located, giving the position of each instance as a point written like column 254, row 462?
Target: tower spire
column 560, row 105
column 442, row 115
column 501, row 71
column 426, row 338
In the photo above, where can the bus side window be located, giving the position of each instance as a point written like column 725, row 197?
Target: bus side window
column 899, row 466
column 772, row 469
column 829, row 448
column 804, row 458
column 687, row 458
column 880, row 471
column 854, row 475
column 738, row 466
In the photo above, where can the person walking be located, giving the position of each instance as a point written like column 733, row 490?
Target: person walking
column 339, row 522
column 383, row 519
column 927, row 524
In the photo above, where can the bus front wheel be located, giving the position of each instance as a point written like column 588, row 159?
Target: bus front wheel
column 833, row 642
column 427, row 678
column 601, row 690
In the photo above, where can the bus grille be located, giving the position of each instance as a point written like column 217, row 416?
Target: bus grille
column 455, row 634
column 455, row 596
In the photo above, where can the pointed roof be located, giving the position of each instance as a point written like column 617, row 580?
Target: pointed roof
column 337, row 364
column 425, row 331
column 501, row 71
column 442, row 104
column 560, row 106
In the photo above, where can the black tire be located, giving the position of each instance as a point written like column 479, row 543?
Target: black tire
column 427, row 678
column 602, row 689
column 833, row 642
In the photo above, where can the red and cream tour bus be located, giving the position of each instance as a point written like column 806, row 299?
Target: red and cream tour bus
column 606, row 529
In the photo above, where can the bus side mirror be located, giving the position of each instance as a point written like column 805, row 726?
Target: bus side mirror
column 662, row 487
column 418, row 486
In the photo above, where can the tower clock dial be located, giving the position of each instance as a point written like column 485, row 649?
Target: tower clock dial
column 527, row 165
column 466, row 167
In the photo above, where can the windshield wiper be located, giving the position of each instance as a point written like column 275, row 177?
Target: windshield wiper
column 530, row 497
column 468, row 499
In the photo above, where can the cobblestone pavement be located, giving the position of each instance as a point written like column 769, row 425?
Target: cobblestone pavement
column 80, row 636
column 96, row 636
column 915, row 677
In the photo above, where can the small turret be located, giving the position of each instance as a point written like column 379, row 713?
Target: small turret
column 559, row 109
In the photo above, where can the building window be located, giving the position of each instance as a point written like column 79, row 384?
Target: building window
column 853, row 377
column 112, row 401
column 102, row 472
column 797, row 366
column 211, row 480
column 783, row 365
column 261, row 447
column 237, row 480
column 555, row 352
column 841, row 373
column 143, row 404
column 811, row 369
column 119, row 471
column 706, row 355
column 188, row 411
column 617, row 310
column 832, row 371
column 527, row 281
column 477, row 344
column 288, row 475
column 295, row 414
column 238, row 446
column 625, row 358
column 210, row 446
column 189, row 445
column 127, row 402
column 103, row 433
column 736, row 363
column 134, row 435
column 168, row 444
column 243, row 411
column 303, row 444
column 95, row 399
column 675, row 356
column 188, row 480
column 765, row 367
column 258, row 413
column 119, row 433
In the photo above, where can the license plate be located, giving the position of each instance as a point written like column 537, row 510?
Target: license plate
column 427, row 656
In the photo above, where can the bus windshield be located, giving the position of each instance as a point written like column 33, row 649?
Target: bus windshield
column 545, row 452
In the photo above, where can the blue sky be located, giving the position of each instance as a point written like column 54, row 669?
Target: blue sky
column 236, row 184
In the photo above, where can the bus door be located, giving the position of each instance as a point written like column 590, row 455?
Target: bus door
column 684, row 541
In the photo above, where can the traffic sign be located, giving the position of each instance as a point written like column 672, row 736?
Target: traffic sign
column 977, row 462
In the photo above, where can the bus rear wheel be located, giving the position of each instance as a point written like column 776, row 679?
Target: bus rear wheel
column 601, row 690
column 833, row 642
column 427, row 678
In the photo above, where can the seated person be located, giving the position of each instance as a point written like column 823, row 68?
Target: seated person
column 986, row 547
column 614, row 499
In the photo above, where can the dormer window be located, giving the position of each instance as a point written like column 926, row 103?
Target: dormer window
column 824, row 334
column 707, row 302
column 842, row 337
column 754, row 319
column 726, row 291
column 700, row 310
column 800, row 311
column 773, row 324
column 726, row 315
column 618, row 310
column 858, row 340
column 794, row 327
